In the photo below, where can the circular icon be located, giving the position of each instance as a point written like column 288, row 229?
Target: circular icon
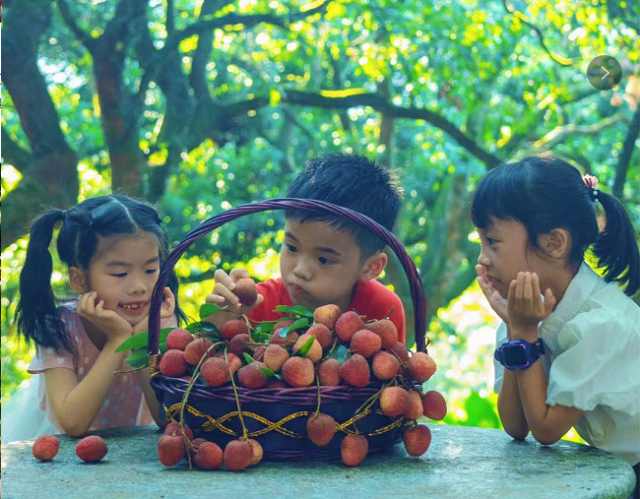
column 604, row 72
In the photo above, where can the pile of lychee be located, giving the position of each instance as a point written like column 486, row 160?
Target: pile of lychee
column 333, row 349
column 90, row 449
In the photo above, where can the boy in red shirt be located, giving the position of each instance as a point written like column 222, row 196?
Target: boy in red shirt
column 327, row 259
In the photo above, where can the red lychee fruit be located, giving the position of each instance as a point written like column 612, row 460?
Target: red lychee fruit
column 298, row 372
column 258, row 353
column 171, row 449
column 238, row 454
column 173, row 429
column 434, row 405
column 401, row 351
column 394, row 401
column 347, row 325
column 354, row 449
column 197, row 349
column 245, row 290
column 209, row 456
column 258, row 452
column 327, row 315
column 329, row 373
column 421, row 366
column 275, row 356
column 290, row 339
column 179, row 339
column 315, row 352
column 91, row 449
column 45, row 447
column 417, row 440
column 414, row 406
column 387, row 331
column 323, row 335
column 251, row 376
column 233, row 328
column 355, row 371
column 321, row 428
column 173, row 364
column 385, row 365
column 238, row 344
column 366, row 343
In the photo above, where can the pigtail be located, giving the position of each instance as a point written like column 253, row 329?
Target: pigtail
column 37, row 316
column 616, row 247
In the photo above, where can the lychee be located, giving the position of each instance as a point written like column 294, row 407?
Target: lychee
column 417, row 440
column 321, row 428
column 298, row 372
column 258, row 452
column 173, row 428
column 233, row 328
column 258, row 352
column 347, row 325
column 291, row 337
column 209, row 456
column 365, row 342
column 238, row 344
column 192, row 448
column 171, row 449
column 386, row 330
column 394, row 401
column 196, row 350
column 414, row 407
column 173, row 363
column 238, row 454
column 355, row 371
column 215, row 371
column 329, row 373
column 275, row 383
column 275, row 356
column 401, row 351
column 327, row 315
column 179, row 339
column 251, row 376
column 245, row 290
column 434, row 405
column 385, row 365
column 315, row 352
column 354, row 449
column 92, row 449
column 45, row 447
column 322, row 334
column 421, row 366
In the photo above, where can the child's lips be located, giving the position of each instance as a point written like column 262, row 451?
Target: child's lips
column 296, row 289
column 134, row 308
column 492, row 280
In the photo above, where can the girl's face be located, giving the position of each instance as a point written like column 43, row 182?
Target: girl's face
column 123, row 273
column 505, row 251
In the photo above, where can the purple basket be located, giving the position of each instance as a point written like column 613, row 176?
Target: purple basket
column 277, row 417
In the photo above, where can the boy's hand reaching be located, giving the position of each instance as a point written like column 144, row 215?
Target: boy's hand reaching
column 526, row 307
column 497, row 302
column 223, row 295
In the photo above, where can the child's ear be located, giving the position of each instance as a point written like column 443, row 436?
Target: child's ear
column 374, row 266
column 556, row 244
column 78, row 280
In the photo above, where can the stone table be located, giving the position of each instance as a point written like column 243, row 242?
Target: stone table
column 461, row 462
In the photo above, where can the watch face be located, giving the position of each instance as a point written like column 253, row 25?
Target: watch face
column 515, row 356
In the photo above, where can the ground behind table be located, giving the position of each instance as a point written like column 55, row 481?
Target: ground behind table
column 462, row 462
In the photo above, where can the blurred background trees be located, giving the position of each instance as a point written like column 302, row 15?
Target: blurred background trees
column 201, row 105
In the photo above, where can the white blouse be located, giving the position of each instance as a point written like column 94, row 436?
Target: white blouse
column 592, row 362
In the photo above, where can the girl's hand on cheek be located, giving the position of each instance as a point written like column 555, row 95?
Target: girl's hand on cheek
column 113, row 326
column 167, row 310
column 526, row 307
column 497, row 302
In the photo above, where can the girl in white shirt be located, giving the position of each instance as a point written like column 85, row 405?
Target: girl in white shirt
column 537, row 219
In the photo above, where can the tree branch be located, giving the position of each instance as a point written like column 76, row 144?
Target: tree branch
column 625, row 156
column 562, row 133
column 85, row 38
column 15, row 154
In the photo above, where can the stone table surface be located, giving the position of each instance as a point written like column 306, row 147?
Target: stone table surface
column 461, row 462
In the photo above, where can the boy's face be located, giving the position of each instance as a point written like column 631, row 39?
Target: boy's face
column 319, row 264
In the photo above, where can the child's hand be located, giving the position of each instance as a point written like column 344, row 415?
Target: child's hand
column 525, row 305
column 167, row 309
column 109, row 322
column 223, row 292
column 497, row 302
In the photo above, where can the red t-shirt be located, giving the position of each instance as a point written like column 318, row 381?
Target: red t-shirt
column 372, row 299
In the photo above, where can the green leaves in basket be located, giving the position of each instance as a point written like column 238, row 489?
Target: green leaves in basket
column 298, row 310
column 248, row 358
column 269, row 373
column 209, row 309
column 203, row 327
column 262, row 332
column 298, row 324
column 140, row 357
column 141, row 340
column 340, row 353
column 306, row 347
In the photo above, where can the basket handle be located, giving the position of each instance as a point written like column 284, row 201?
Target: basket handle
column 415, row 283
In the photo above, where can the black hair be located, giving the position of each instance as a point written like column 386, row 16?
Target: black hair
column 353, row 182
column 37, row 315
column 543, row 193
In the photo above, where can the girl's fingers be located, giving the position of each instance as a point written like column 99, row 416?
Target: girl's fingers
column 480, row 270
column 528, row 287
column 535, row 282
column 520, row 287
column 222, row 290
column 512, row 290
column 237, row 274
column 100, row 308
column 549, row 301
column 214, row 299
column 90, row 305
column 221, row 277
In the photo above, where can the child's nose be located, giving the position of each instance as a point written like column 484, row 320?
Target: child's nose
column 138, row 286
column 483, row 259
column 302, row 271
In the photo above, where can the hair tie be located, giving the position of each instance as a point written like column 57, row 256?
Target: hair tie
column 592, row 183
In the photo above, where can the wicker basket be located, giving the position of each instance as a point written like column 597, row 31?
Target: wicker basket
column 277, row 417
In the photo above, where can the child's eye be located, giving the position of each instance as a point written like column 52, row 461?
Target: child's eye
column 290, row 247
column 152, row 271
column 491, row 241
column 123, row 274
column 325, row 261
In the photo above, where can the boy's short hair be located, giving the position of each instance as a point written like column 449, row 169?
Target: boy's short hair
column 353, row 182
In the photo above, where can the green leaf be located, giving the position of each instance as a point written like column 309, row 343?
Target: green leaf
column 299, row 324
column 307, row 346
column 141, row 340
column 339, row 353
column 209, row 309
column 265, row 327
column 248, row 358
column 203, row 326
column 139, row 358
column 268, row 372
column 298, row 310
